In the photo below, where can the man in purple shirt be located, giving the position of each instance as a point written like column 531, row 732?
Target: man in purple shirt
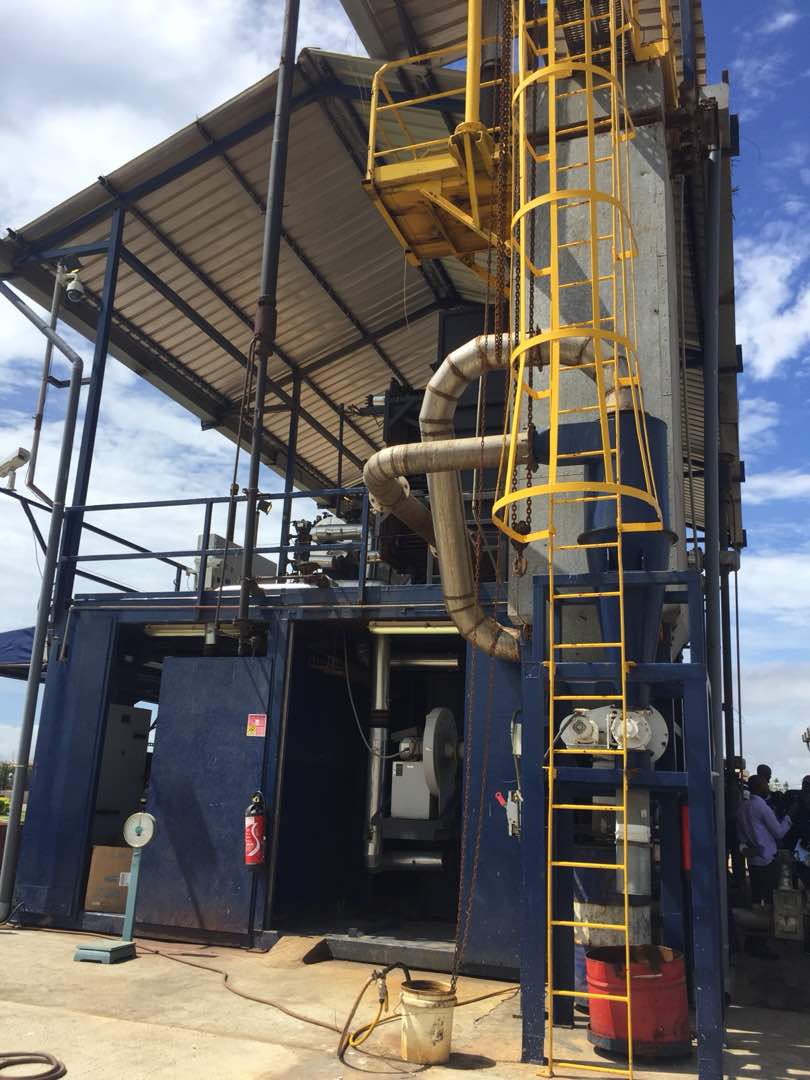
column 759, row 830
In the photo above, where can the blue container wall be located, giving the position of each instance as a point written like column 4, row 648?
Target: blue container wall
column 495, row 928
column 52, row 869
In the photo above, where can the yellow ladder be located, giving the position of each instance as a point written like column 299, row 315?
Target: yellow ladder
column 587, row 284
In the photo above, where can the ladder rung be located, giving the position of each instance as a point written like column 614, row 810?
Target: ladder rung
column 584, row 595
column 591, row 1068
column 589, row 996
column 578, row 408
column 590, row 645
column 572, row 865
column 579, row 924
column 612, row 807
column 613, row 751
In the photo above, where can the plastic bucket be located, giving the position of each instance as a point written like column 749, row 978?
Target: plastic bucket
column 658, row 996
column 427, row 1021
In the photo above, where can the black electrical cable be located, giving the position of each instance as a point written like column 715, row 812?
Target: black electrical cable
column 26, row 1057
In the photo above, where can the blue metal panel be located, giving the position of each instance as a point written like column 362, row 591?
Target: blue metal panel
column 533, row 849
column 494, row 934
column 55, row 845
column 204, row 770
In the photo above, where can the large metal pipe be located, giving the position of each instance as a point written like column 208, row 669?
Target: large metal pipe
column 445, row 523
column 385, row 472
column 378, row 743
column 728, row 671
column 8, row 869
column 43, row 391
column 266, row 309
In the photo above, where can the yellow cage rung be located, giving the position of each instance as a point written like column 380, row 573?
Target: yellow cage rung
column 568, row 456
column 586, row 498
column 587, row 994
column 587, row 547
column 577, row 409
column 588, row 806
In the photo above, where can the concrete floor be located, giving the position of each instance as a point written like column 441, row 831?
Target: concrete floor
column 158, row 1019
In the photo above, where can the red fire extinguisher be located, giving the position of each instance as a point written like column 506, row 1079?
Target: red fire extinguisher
column 255, row 830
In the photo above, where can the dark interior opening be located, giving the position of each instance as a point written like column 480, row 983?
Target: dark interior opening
column 321, row 878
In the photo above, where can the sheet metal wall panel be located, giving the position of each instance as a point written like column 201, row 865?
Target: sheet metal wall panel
column 204, row 770
column 55, row 852
column 495, row 927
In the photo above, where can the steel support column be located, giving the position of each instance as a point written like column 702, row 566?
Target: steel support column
column 289, row 476
column 266, row 309
column 71, row 538
column 711, row 433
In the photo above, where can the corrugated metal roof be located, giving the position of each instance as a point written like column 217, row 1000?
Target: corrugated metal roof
column 342, row 277
column 391, row 29
column 352, row 312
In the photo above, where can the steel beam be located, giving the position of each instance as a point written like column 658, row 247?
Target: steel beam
column 311, row 269
column 72, row 534
column 168, row 293
column 317, row 93
column 219, row 292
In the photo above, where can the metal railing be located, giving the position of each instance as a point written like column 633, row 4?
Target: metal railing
column 205, row 552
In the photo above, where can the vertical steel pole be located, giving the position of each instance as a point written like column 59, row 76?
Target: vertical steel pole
column 8, row 869
column 266, row 309
column 73, row 526
column 43, row 390
column 289, row 474
column 711, row 435
column 378, row 743
column 472, row 99
column 728, row 671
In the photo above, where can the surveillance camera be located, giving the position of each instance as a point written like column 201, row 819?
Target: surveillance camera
column 15, row 462
column 74, row 289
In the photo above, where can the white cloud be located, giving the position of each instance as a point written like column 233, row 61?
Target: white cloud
column 772, row 298
column 776, row 485
column 775, row 700
column 85, row 88
column 774, row 24
column 759, row 419
column 775, row 586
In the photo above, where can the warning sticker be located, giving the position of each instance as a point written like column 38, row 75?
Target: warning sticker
column 257, row 724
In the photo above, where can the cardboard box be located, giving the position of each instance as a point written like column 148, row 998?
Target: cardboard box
column 109, row 880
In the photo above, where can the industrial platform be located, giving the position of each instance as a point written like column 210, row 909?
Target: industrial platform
column 160, row 1019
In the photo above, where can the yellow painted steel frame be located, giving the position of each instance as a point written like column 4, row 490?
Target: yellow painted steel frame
column 594, row 82
column 406, row 162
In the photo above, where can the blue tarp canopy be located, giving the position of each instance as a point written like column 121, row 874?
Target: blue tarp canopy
column 15, row 652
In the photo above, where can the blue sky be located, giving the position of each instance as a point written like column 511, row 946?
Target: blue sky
column 71, row 114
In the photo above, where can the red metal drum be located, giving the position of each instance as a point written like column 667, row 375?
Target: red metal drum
column 658, row 997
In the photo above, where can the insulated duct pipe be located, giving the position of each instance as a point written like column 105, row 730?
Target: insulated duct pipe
column 266, row 310
column 385, row 473
column 444, row 526
column 9, row 866
column 377, row 746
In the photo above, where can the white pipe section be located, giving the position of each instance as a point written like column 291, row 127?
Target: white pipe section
column 441, row 457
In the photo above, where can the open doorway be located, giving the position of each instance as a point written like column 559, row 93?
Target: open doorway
column 325, row 879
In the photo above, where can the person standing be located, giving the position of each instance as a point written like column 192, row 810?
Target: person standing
column 759, row 831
